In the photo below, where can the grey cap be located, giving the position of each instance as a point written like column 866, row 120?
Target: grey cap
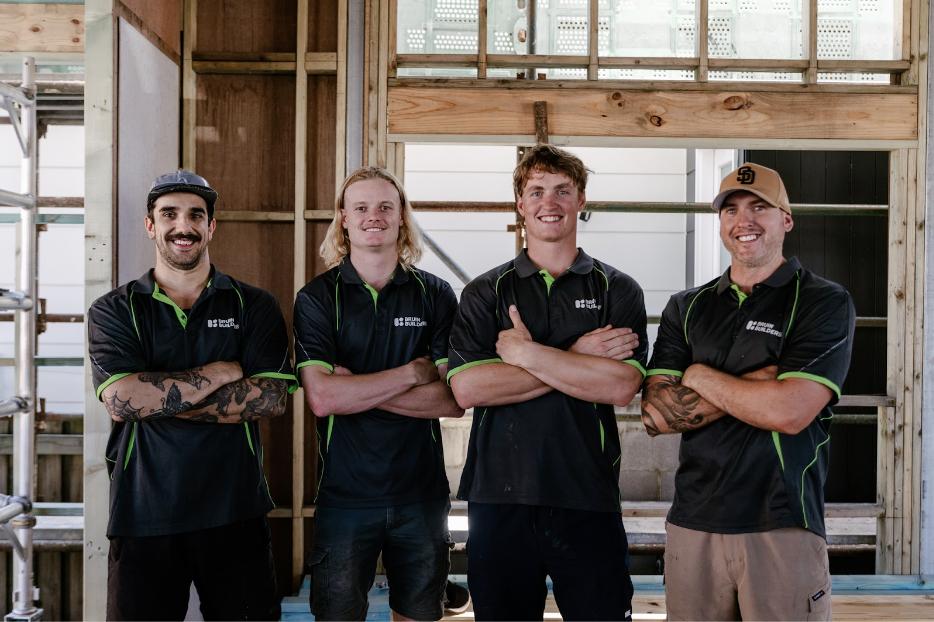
column 182, row 181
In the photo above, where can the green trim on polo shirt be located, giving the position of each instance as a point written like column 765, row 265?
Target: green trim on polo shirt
column 441, row 362
column 131, row 445
column 549, row 280
column 249, row 436
column 158, row 295
column 110, row 381
column 794, row 307
column 687, row 313
column 457, row 370
column 777, row 441
column 815, row 378
column 741, row 296
column 290, row 379
column 804, row 513
column 323, row 364
column 373, row 293
column 133, row 316
column 665, row 372
column 637, row 365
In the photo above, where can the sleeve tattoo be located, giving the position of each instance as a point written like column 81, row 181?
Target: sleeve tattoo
column 192, row 377
column 228, row 400
column 682, row 409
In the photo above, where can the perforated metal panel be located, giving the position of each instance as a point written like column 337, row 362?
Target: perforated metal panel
column 455, row 42
column 834, row 38
column 415, row 40
column 720, row 36
column 502, row 42
column 454, row 13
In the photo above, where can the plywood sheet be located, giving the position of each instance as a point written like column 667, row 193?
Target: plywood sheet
column 245, row 140
column 42, row 28
column 246, row 26
column 160, row 19
column 669, row 114
column 322, row 26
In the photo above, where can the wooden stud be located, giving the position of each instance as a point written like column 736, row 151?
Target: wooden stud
column 482, row 36
column 100, row 122
column 701, row 74
column 811, row 32
column 602, row 112
column 914, row 42
column 371, row 79
column 907, row 383
column 903, row 35
column 393, row 32
column 593, row 38
column 189, row 86
column 340, row 155
column 298, row 281
column 382, row 78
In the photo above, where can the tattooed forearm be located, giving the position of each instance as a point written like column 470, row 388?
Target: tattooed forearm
column 122, row 410
column 244, row 400
column 271, row 400
column 669, row 407
column 192, row 377
column 172, row 404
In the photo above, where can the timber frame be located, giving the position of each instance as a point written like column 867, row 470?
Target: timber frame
column 312, row 88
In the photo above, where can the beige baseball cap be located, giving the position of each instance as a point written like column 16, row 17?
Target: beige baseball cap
column 759, row 180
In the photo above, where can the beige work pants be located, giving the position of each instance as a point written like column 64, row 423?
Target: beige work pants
column 781, row 574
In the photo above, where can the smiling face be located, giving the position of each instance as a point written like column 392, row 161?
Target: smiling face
column 179, row 224
column 550, row 203
column 372, row 214
column 753, row 231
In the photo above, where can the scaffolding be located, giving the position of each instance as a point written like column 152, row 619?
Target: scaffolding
column 16, row 516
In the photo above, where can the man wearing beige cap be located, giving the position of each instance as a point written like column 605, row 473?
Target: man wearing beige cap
column 746, row 368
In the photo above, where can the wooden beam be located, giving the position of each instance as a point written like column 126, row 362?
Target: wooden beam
column 482, row 42
column 298, row 277
column 189, row 85
column 682, row 114
column 321, row 63
column 242, row 67
column 42, row 28
column 223, row 215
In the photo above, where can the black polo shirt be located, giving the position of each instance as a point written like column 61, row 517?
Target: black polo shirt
column 375, row 458
column 554, row 450
column 733, row 477
column 174, row 475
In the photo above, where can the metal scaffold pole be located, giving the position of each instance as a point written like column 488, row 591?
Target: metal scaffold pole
column 22, row 407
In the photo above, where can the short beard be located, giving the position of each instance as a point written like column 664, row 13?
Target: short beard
column 180, row 265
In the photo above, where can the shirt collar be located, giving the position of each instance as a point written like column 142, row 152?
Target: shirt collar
column 349, row 274
column 146, row 284
column 525, row 267
column 779, row 278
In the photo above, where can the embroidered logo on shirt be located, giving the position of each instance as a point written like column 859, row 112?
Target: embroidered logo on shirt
column 587, row 303
column 763, row 327
column 413, row 322
column 222, row 323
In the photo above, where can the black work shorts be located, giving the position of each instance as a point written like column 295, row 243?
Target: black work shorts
column 511, row 549
column 414, row 541
column 149, row 578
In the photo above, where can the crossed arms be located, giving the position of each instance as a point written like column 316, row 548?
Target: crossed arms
column 214, row 393
column 415, row 389
column 673, row 405
column 589, row 370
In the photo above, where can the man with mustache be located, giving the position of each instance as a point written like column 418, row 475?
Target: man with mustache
column 187, row 360
column 746, row 368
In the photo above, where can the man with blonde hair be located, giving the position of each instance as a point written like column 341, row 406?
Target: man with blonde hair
column 371, row 339
column 542, row 348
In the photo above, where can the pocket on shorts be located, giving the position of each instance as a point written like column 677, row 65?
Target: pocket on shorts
column 318, row 574
column 818, row 605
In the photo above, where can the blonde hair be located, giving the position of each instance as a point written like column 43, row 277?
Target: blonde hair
column 336, row 244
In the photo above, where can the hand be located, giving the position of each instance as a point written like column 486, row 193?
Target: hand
column 424, row 371
column 766, row 373
column 607, row 342
column 230, row 370
column 341, row 371
column 512, row 342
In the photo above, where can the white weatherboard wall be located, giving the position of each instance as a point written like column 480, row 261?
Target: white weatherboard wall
column 649, row 247
column 148, row 139
column 61, row 263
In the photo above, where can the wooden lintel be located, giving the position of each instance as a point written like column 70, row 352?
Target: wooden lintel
column 252, row 57
column 42, row 28
column 682, row 114
column 253, row 216
column 541, row 122
column 242, row 67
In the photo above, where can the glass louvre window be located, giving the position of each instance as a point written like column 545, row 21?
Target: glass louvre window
column 858, row 30
column 649, row 28
column 755, row 29
column 437, row 27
